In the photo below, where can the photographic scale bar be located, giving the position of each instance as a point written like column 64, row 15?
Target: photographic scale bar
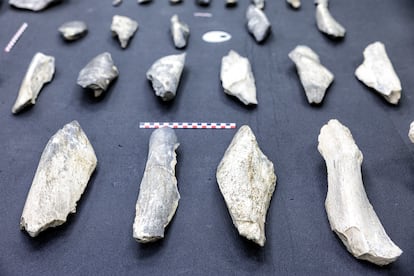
column 16, row 37
column 185, row 125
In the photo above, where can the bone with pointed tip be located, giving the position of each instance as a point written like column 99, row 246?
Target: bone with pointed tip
column 165, row 75
column 294, row 3
column 158, row 194
column 33, row 5
column 349, row 211
column 73, row 30
column 124, row 28
column 257, row 23
column 62, row 175
column 378, row 73
column 247, row 180
column 325, row 21
column 260, row 4
column 40, row 72
column 411, row 132
column 314, row 77
column 179, row 31
column 237, row 78
column 98, row 74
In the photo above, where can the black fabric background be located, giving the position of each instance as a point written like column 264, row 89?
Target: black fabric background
column 201, row 238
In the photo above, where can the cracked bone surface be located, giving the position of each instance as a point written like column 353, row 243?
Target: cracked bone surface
column 73, row 30
column 260, row 4
column 165, row 75
column 158, row 194
column 179, row 31
column 98, row 74
column 237, row 78
column 247, row 180
column 411, row 132
column 33, row 5
column 64, row 170
column 325, row 21
column 39, row 72
column 349, row 211
column 124, row 28
column 257, row 23
column 378, row 73
column 315, row 78
column 294, row 3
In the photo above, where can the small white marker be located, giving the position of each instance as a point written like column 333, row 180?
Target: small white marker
column 202, row 14
column 16, row 37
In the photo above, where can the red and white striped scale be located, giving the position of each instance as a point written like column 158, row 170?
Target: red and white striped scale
column 16, row 37
column 187, row 125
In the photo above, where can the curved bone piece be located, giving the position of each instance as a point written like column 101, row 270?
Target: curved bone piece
column 33, row 5
column 325, row 21
column 314, row 76
column 98, row 74
column 158, row 195
column 377, row 72
column 165, row 75
column 179, row 31
column 237, row 78
column 257, row 23
column 247, row 180
column 349, row 211
column 124, row 28
column 39, row 72
column 62, row 175
column 294, row 3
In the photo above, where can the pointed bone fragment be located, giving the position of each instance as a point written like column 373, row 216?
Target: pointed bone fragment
column 294, row 3
column 165, row 75
column 237, row 78
column 180, row 32
column 40, row 72
column 33, row 5
column 257, row 23
column 123, row 27
column 158, row 194
column 260, row 4
column 314, row 77
column 377, row 72
column 411, row 132
column 247, row 181
column 62, row 175
column 349, row 211
column 73, row 30
column 325, row 22
column 98, row 74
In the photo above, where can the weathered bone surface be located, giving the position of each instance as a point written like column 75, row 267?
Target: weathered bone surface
column 294, row 3
column 377, row 72
column 33, row 5
column 314, row 77
column 165, row 75
column 247, row 181
column 325, row 21
column 116, row 3
column 411, row 132
column 73, row 30
column 40, row 71
column 180, row 32
column 98, row 74
column 257, row 23
column 349, row 211
column 124, row 28
column 158, row 195
column 62, row 175
column 203, row 2
column 237, row 78
column 260, row 4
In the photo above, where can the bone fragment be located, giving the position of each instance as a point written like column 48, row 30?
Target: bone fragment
column 124, row 28
column 33, row 5
column 73, row 30
column 180, row 32
column 349, row 211
column 247, row 181
column 325, row 21
column 39, row 72
column 378, row 73
column 257, row 23
column 62, row 175
column 158, row 195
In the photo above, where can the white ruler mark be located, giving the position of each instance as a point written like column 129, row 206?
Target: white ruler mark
column 187, row 125
column 16, row 37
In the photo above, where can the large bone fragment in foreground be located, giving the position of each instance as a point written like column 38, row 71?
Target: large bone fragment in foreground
column 349, row 211
column 65, row 167
column 247, row 180
column 158, row 195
